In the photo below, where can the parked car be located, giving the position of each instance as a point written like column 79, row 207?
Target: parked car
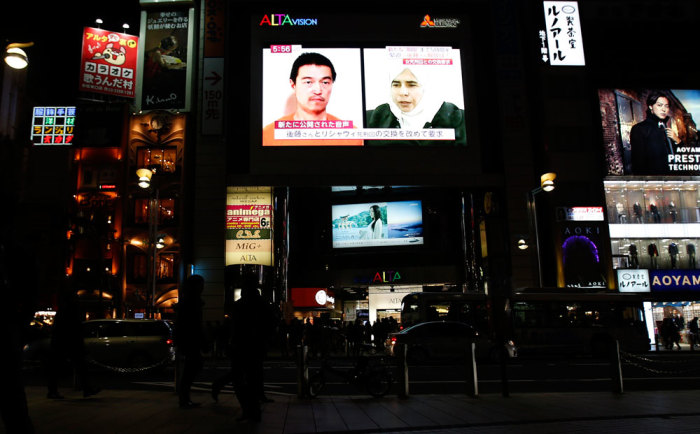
column 129, row 343
column 118, row 344
column 435, row 340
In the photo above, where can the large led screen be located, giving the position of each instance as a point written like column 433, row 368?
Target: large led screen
column 341, row 92
column 377, row 224
column 405, row 95
column 650, row 131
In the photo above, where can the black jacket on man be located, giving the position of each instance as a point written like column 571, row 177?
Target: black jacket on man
column 650, row 147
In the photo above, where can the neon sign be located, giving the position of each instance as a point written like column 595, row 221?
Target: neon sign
column 53, row 125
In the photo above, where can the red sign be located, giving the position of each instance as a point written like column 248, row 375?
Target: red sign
column 108, row 62
column 312, row 297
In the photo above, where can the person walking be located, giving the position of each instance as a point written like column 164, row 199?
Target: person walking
column 189, row 337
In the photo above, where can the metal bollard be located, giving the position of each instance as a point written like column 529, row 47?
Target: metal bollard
column 472, row 380
column 504, row 371
column 616, row 367
column 403, row 372
column 302, row 371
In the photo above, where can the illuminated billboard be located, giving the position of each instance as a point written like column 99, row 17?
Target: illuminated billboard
column 344, row 91
column 406, row 95
column 377, row 224
column 53, row 125
column 109, row 62
column 249, row 229
column 650, row 131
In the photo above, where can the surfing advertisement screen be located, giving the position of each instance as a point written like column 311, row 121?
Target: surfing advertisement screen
column 377, row 224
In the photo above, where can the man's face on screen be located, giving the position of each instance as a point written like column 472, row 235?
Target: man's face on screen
column 313, row 88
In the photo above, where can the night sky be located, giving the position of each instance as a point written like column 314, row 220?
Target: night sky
column 56, row 30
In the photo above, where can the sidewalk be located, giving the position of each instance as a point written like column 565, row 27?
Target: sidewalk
column 156, row 411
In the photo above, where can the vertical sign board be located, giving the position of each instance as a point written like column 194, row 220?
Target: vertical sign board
column 166, row 62
column 213, row 96
column 563, row 40
column 109, row 62
column 249, row 226
column 213, row 74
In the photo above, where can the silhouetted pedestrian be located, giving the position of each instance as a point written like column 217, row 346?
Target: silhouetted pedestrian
column 252, row 321
column 18, row 288
column 189, row 337
column 67, row 343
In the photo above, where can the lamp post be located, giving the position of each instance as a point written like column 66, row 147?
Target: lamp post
column 15, row 56
column 145, row 181
column 546, row 185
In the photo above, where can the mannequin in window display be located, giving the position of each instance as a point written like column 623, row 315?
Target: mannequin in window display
column 653, row 254
column 673, row 253
column 621, row 214
column 637, row 208
column 690, row 250
column 634, row 258
column 672, row 211
column 654, row 212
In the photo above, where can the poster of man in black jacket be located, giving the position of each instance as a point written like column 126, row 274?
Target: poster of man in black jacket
column 652, row 140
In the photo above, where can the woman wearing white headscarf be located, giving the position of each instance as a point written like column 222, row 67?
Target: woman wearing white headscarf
column 413, row 105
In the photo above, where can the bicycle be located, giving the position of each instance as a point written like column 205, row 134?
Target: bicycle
column 374, row 379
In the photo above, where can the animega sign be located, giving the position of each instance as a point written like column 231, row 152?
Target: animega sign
column 674, row 280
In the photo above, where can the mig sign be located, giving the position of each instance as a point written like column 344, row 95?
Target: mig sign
column 249, row 226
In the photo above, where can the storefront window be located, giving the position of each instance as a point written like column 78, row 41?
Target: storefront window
column 652, row 202
column 166, row 215
column 163, row 158
column 655, row 253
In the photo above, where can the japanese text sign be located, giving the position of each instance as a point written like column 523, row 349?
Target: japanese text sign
column 108, row 63
column 563, row 34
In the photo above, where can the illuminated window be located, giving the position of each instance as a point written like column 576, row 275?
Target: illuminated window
column 163, row 158
column 166, row 214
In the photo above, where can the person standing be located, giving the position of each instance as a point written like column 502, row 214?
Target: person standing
column 189, row 337
column 693, row 330
column 18, row 288
column 67, row 343
column 252, row 320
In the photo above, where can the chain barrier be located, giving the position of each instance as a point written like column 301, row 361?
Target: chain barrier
column 133, row 370
column 658, row 366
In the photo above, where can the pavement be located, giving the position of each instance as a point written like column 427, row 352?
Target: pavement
column 155, row 410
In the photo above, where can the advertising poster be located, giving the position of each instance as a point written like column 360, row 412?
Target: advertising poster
column 249, row 226
column 109, row 62
column 377, row 224
column 650, row 131
column 581, row 261
column 165, row 74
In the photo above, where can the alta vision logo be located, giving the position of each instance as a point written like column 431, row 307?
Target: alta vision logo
column 285, row 20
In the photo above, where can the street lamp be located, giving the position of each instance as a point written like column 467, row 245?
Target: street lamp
column 546, row 185
column 155, row 241
column 15, row 56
